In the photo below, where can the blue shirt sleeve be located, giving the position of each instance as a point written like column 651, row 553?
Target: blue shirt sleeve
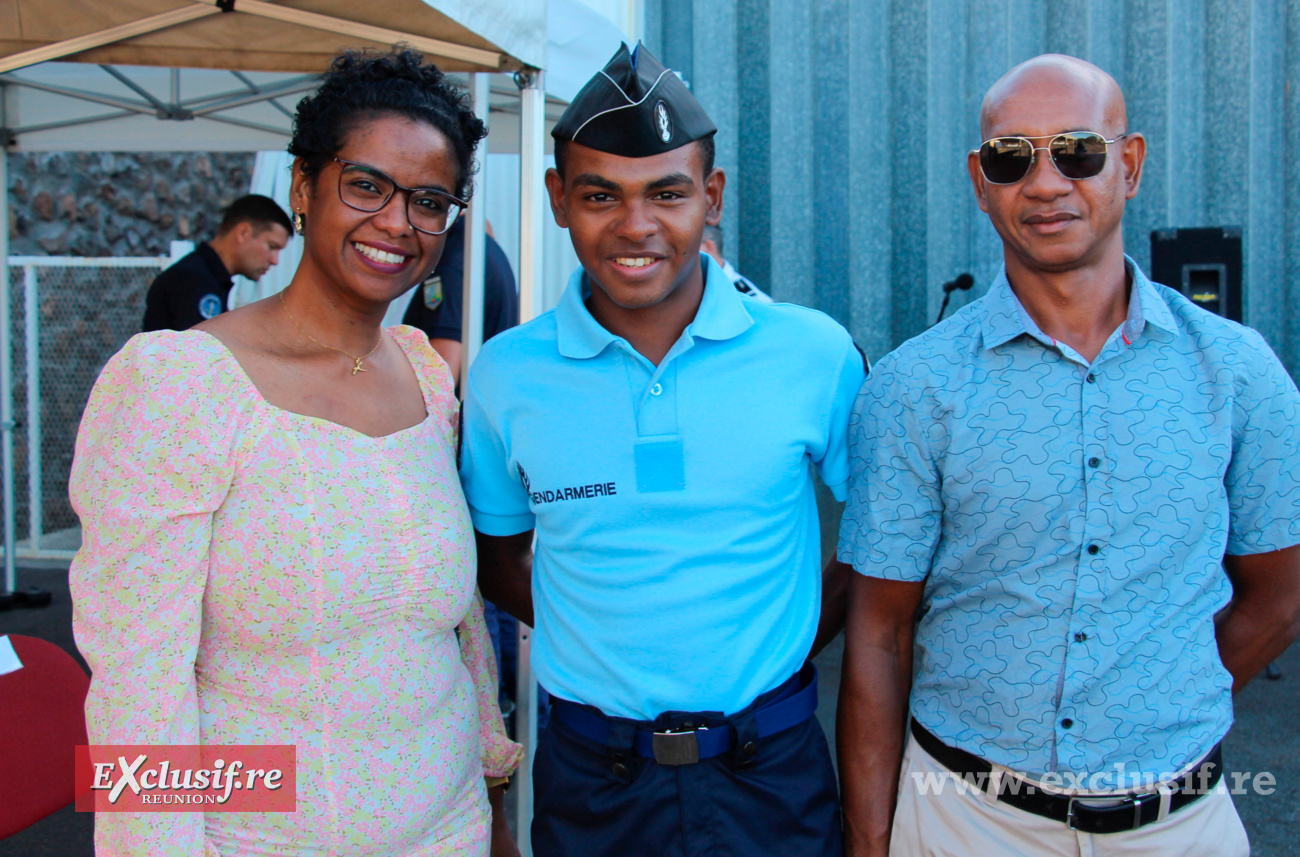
column 1263, row 478
column 498, row 501
column 833, row 465
column 892, row 520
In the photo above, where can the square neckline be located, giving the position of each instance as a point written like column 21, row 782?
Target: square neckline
column 425, row 393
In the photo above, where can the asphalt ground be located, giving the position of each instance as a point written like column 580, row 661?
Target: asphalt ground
column 1265, row 739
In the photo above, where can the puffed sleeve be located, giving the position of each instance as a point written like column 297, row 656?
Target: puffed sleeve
column 153, row 463
column 500, row 755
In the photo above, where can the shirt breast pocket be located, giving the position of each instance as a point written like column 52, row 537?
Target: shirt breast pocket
column 660, row 464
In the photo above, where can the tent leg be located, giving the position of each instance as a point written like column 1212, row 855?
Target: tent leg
column 532, row 165
column 472, row 287
column 35, row 438
column 532, row 193
column 6, row 379
column 526, row 734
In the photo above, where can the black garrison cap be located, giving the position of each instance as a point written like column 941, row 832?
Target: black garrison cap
column 634, row 107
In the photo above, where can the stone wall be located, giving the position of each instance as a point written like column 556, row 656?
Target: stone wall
column 119, row 204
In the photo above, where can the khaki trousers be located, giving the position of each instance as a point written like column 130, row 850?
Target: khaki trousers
column 958, row 823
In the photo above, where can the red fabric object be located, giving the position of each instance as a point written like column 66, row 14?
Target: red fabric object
column 42, row 720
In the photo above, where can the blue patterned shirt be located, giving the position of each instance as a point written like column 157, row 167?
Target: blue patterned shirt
column 1070, row 521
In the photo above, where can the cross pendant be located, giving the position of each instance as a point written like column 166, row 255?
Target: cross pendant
column 357, row 368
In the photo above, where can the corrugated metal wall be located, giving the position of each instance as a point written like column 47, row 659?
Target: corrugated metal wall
column 844, row 126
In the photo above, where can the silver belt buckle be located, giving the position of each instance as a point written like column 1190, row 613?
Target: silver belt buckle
column 1069, row 814
column 1136, row 800
column 676, row 747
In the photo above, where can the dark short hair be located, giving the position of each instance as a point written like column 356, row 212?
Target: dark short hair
column 260, row 211
column 705, row 144
column 362, row 85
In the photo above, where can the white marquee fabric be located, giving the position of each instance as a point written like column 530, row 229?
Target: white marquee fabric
column 256, row 35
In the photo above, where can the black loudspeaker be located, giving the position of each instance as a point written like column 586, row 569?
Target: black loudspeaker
column 1204, row 264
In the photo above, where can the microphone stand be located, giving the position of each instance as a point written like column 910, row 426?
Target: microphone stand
column 962, row 282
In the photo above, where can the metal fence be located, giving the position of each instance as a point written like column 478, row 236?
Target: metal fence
column 65, row 317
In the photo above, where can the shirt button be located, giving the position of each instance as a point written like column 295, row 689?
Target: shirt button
column 1092, row 379
column 657, row 389
column 1067, row 723
column 1094, row 549
column 1079, row 636
column 1094, row 462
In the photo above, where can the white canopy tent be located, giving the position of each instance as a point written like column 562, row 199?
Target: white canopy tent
column 83, row 106
column 255, row 35
column 215, row 68
column 101, row 106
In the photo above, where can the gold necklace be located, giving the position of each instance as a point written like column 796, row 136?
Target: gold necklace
column 357, row 360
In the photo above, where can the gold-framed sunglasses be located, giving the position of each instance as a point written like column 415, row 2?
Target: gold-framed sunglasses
column 1077, row 155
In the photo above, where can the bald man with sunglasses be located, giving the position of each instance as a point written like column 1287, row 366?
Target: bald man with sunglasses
column 1074, row 513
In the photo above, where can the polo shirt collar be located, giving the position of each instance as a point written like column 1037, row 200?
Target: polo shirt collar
column 722, row 314
column 1005, row 317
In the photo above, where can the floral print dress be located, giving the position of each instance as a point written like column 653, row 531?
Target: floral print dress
column 250, row 575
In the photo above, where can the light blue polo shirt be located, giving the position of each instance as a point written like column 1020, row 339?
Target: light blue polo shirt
column 677, row 565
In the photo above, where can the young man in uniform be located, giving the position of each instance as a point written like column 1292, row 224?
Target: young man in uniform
column 1088, row 489
column 677, row 587
column 252, row 233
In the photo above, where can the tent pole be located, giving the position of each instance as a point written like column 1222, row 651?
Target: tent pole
column 35, row 448
column 6, row 370
column 532, row 165
column 532, row 193
column 472, row 286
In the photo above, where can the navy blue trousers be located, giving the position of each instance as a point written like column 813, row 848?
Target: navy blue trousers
column 593, row 800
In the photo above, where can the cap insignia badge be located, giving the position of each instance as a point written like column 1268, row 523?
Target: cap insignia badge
column 664, row 122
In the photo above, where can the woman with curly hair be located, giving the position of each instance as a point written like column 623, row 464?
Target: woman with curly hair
column 276, row 547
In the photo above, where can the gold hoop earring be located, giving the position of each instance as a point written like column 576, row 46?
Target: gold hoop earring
column 297, row 222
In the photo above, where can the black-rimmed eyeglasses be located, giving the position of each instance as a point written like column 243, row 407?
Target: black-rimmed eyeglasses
column 365, row 188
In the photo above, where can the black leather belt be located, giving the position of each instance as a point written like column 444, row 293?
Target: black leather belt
column 1134, row 810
